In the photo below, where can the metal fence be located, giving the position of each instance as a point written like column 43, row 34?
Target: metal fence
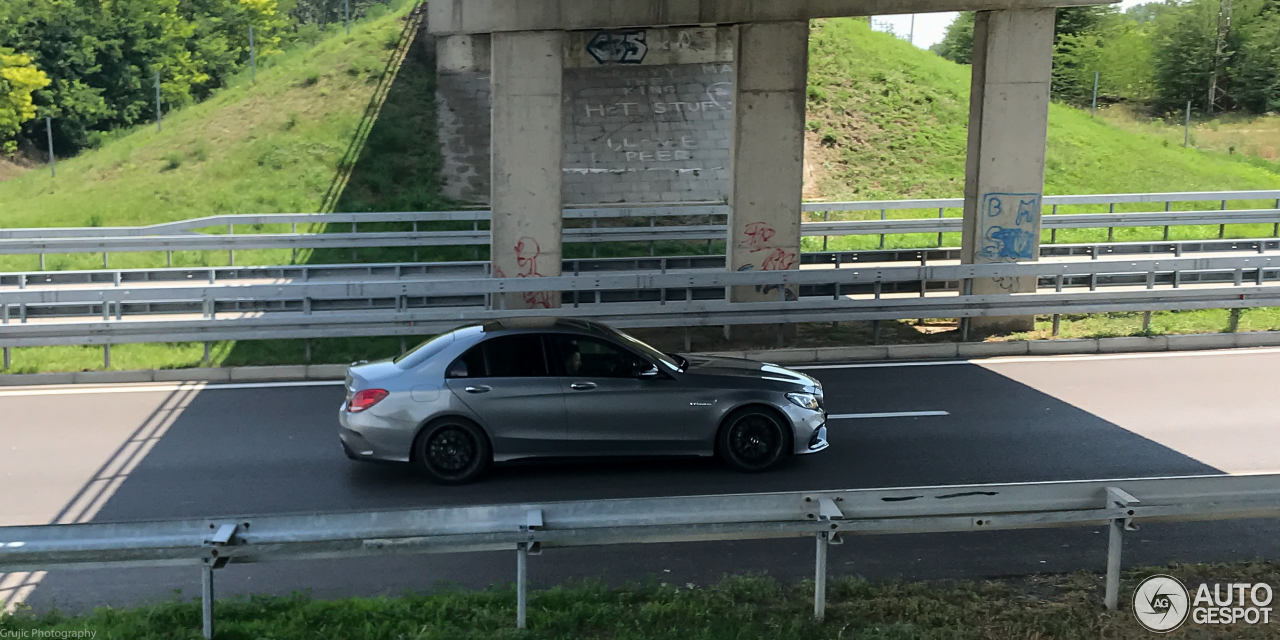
column 707, row 225
column 826, row 516
column 674, row 299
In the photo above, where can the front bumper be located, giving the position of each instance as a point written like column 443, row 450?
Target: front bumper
column 809, row 430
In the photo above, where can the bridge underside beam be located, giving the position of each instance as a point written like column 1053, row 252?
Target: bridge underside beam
column 489, row 16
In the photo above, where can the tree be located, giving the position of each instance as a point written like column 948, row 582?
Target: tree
column 102, row 56
column 19, row 78
column 957, row 44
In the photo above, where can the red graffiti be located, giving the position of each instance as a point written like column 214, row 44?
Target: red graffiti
column 527, row 252
column 758, row 235
column 778, row 260
column 540, row 299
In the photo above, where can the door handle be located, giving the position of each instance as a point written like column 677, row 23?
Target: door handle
column 479, row 389
column 583, row 386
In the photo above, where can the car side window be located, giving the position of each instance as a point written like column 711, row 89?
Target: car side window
column 468, row 365
column 521, row 355
column 586, row 357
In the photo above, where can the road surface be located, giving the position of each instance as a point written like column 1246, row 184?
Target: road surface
column 128, row 452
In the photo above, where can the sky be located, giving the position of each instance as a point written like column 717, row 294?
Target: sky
column 930, row 27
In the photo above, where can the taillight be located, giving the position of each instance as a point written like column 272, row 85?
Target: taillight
column 366, row 398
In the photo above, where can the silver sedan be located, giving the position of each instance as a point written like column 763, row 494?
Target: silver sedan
column 555, row 388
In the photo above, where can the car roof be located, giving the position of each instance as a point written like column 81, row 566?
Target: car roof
column 545, row 323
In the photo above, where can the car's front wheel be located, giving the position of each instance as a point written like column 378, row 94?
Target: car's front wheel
column 452, row 451
column 752, row 440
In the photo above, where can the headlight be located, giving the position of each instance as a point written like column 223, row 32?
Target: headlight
column 806, row 400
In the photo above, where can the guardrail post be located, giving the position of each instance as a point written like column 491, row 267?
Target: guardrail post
column 1233, row 324
column 940, row 233
column 533, row 522
column 206, row 353
column 1222, row 228
column 231, row 253
column 106, row 356
column 168, row 258
column 1146, row 321
column 206, row 596
column 42, row 257
column 522, row 593
column 882, row 217
column 105, row 257
column 826, row 217
column 820, row 577
column 8, row 359
column 1116, row 498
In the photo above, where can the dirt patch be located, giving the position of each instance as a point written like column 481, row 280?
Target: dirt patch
column 13, row 167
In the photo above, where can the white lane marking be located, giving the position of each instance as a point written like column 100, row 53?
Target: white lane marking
column 202, row 386
column 890, row 414
column 1061, row 358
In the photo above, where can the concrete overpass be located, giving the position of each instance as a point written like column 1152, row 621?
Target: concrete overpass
column 623, row 102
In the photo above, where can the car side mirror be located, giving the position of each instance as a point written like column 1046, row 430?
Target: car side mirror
column 650, row 372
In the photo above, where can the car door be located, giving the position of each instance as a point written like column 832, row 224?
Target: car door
column 610, row 408
column 506, row 381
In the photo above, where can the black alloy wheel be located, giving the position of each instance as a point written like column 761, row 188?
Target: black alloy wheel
column 452, row 451
column 752, row 440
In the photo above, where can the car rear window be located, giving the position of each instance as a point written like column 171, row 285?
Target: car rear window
column 422, row 352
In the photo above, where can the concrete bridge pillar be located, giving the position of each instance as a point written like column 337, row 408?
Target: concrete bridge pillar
column 768, row 152
column 527, row 69
column 1004, row 172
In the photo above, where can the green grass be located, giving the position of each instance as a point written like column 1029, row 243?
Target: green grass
column 276, row 145
column 740, row 608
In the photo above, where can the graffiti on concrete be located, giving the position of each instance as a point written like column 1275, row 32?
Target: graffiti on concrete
column 758, row 235
column 1009, row 224
column 618, row 47
column 527, row 251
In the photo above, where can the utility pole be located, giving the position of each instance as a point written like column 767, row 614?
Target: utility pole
column 48, row 127
column 1219, row 50
column 253, row 61
column 1186, row 128
column 346, row 10
column 1094, row 106
column 159, row 115
column 911, row 36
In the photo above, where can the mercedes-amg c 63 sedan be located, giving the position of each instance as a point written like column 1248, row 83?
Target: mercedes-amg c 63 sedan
column 557, row 388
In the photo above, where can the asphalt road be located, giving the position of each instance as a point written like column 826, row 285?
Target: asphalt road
column 156, row 451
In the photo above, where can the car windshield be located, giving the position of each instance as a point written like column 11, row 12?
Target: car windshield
column 647, row 350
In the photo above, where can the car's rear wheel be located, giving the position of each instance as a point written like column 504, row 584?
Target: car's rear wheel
column 452, row 451
column 752, row 440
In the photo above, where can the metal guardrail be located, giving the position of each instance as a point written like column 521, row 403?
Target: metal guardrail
column 180, row 236
column 826, row 516
column 398, row 270
column 677, row 306
column 295, row 241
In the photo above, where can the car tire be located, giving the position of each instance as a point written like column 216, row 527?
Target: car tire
column 752, row 440
column 452, row 451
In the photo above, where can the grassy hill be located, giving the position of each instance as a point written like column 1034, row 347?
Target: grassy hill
column 271, row 146
column 889, row 121
column 886, row 120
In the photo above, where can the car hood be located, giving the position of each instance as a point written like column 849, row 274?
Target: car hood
column 741, row 367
